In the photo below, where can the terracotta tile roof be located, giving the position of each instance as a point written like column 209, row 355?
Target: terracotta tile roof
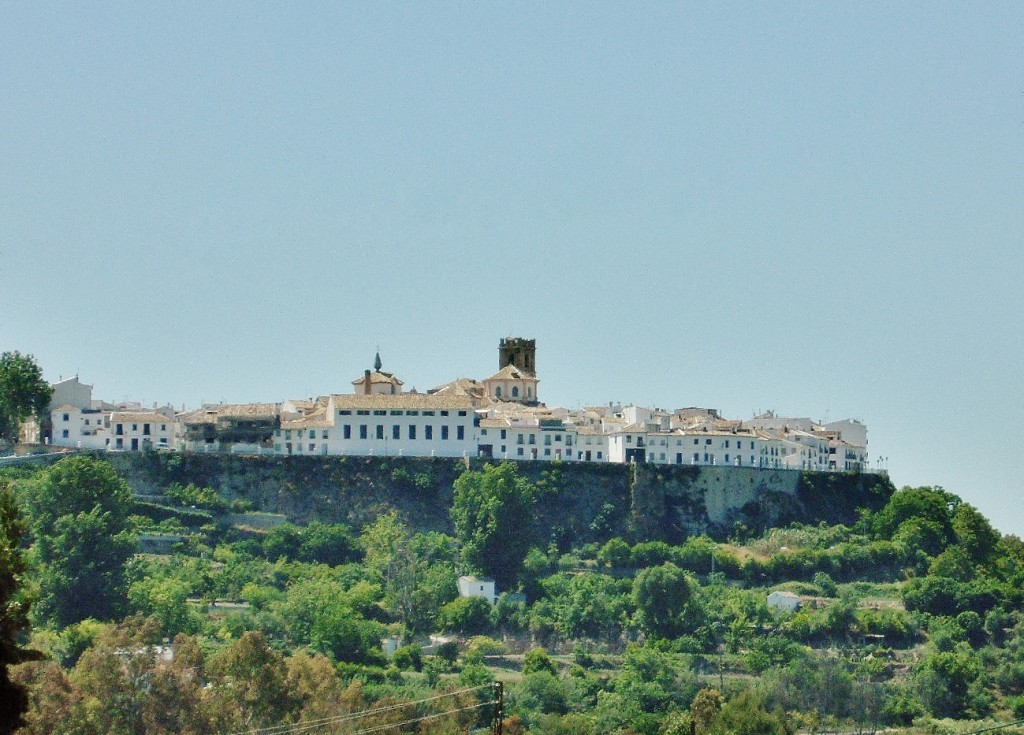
column 133, row 417
column 378, row 377
column 405, row 401
column 511, row 372
column 317, row 419
column 210, row 414
column 461, row 387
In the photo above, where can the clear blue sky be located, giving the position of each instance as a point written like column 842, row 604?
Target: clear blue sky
column 810, row 207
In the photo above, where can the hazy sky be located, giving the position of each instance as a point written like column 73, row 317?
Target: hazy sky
column 814, row 208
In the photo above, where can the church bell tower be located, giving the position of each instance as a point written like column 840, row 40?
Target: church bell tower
column 520, row 353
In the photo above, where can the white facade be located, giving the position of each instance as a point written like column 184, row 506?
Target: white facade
column 405, row 424
column 136, row 431
column 80, row 428
column 470, row 586
column 511, row 384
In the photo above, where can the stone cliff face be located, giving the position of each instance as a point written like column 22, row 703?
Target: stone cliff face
column 579, row 503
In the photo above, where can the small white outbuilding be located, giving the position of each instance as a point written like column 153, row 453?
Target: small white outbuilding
column 470, row 586
column 782, row 600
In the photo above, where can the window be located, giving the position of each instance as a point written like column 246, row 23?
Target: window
column 288, row 434
column 547, row 452
column 707, row 441
column 67, row 417
column 428, row 432
column 428, row 413
column 412, row 413
column 462, row 413
column 312, row 447
column 629, row 440
column 362, row 431
column 412, row 431
column 344, row 413
column 380, row 431
column 497, row 392
column 519, row 452
column 696, row 441
column 696, row 457
column 533, row 439
column 396, row 431
column 726, row 443
column 396, row 413
column 515, row 391
column 503, row 433
column 460, row 432
column 362, row 413
column 727, row 459
column 163, row 427
column 312, row 433
column 599, row 455
column 64, row 433
column 547, row 440
column 483, row 432
column 323, row 434
column 346, row 431
column 444, row 413
column 444, row 433
column 135, row 427
column 380, row 413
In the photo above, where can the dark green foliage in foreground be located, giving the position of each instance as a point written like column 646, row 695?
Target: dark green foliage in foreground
column 78, row 511
column 13, row 610
column 23, row 393
column 285, row 624
column 493, row 511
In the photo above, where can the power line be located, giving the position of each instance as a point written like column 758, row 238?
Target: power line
column 996, row 727
column 434, row 716
column 303, row 726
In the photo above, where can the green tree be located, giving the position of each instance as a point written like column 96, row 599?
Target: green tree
column 665, row 601
column 746, row 714
column 465, row 615
column 23, row 392
column 78, row 513
column 13, row 611
column 492, row 511
column 919, row 516
column 537, row 659
column 975, row 534
column 417, row 571
column 250, row 685
column 705, row 708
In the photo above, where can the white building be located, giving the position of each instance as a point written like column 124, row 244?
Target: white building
column 80, row 428
column 135, row 431
column 470, row 586
column 782, row 600
column 403, row 424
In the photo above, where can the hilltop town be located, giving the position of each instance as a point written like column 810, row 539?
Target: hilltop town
column 500, row 417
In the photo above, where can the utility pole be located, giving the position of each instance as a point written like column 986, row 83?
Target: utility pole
column 499, row 708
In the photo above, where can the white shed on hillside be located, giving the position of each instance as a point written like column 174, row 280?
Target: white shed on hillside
column 782, row 600
column 478, row 587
